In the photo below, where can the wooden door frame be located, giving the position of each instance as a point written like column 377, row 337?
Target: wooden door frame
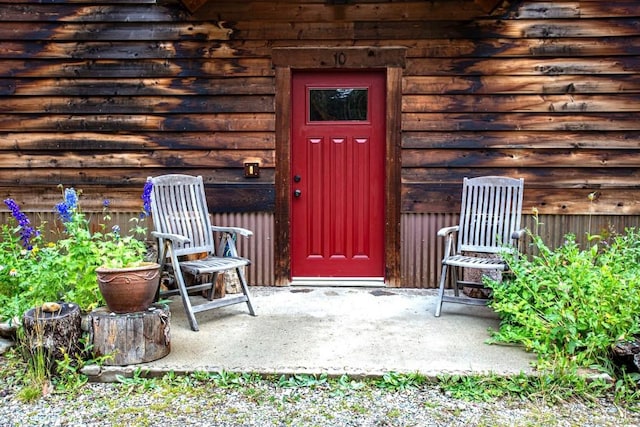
column 285, row 60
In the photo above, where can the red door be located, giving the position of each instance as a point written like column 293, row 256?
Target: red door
column 337, row 175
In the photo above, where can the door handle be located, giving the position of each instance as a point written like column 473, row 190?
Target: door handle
column 297, row 193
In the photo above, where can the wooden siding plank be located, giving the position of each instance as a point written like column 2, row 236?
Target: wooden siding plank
column 139, row 104
column 576, row 9
column 98, row 141
column 518, row 158
column 220, row 197
column 522, row 122
column 523, row 67
column 445, row 199
column 23, row 11
column 515, row 85
column 182, row 49
column 79, row 177
column 519, row 48
column 252, row 67
column 535, row 177
column 114, row 31
column 141, row 123
column 524, row 140
column 521, row 103
column 141, row 159
column 137, row 86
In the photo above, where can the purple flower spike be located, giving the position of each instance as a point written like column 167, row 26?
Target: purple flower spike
column 70, row 198
column 146, row 198
column 26, row 231
column 66, row 208
column 63, row 212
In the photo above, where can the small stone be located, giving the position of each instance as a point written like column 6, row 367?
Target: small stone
column 51, row 307
column 91, row 370
column 8, row 329
column 5, row 345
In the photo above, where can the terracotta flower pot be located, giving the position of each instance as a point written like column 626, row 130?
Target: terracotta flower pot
column 128, row 290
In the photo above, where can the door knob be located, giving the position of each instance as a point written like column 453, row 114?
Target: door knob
column 297, row 193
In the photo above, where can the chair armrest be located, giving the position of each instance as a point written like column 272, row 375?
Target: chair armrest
column 448, row 230
column 171, row 237
column 518, row 234
column 232, row 230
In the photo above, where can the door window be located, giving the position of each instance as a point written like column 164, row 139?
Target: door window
column 337, row 105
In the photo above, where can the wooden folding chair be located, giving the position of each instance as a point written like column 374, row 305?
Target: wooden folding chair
column 183, row 228
column 489, row 224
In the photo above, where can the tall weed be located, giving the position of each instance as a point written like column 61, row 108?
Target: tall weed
column 570, row 302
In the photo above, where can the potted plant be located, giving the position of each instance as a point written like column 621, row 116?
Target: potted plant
column 126, row 279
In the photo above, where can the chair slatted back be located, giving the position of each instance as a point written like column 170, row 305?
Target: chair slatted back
column 179, row 206
column 490, row 212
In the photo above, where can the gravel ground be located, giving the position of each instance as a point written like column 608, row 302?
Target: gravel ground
column 185, row 401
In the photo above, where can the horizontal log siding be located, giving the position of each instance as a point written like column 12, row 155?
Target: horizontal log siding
column 548, row 92
column 105, row 93
column 101, row 94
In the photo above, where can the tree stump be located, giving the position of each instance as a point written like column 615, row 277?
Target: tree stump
column 627, row 354
column 130, row 338
column 53, row 329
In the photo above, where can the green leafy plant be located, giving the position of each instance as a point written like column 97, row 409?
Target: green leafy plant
column 344, row 385
column 139, row 378
column 570, row 302
column 303, row 380
column 395, row 381
column 102, row 247
column 33, row 271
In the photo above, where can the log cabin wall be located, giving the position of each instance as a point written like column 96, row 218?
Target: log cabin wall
column 101, row 94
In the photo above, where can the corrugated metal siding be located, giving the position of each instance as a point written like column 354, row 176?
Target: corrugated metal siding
column 421, row 249
column 554, row 228
column 258, row 248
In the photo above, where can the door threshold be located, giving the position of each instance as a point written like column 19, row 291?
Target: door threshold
column 375, row 282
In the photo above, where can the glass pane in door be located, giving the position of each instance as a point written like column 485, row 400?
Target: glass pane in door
column 336, row 105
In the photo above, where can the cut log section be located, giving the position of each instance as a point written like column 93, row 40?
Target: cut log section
column 130, row 338
column 53, row 329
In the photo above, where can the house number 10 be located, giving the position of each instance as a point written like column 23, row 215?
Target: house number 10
column 340, row 58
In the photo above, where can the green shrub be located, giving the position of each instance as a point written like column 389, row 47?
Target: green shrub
column 33, row 271
column 571, row 303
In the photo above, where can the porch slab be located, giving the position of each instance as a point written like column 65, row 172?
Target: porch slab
column 357, row 331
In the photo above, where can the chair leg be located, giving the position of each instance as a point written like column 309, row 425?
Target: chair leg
column 186, row 302
column 443, row 280
column 212, row 290
column 177, row 273
column 245, row 289
column 456, row 272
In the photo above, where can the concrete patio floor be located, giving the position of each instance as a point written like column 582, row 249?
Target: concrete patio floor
column 358, row 331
